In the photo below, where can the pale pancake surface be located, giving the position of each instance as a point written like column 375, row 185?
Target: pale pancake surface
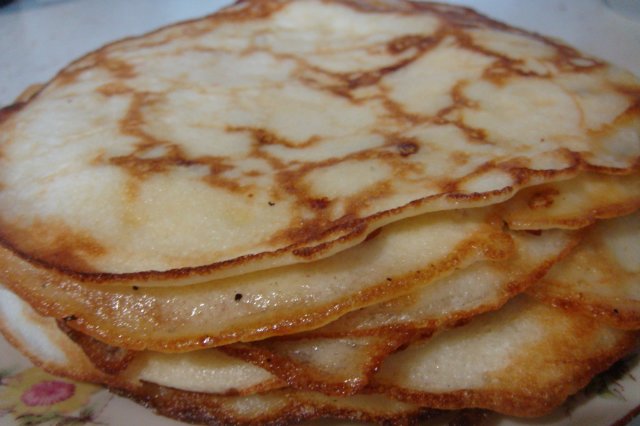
column 574, row 203
column 333, row 366
column 601, row 277
column 480, row 287
column 522, row 360
column 278, row 132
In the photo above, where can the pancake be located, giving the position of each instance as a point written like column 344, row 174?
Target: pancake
column 402, row 257
column 522, row 360
column 294, row 210
column 601, row 278
column 478, row 288
column 574, row 203
column 48, row 346
column 341, row 357
column 525, row 329
column 209, row 371
column 39, row 339
column 277, row 407
column 295, row 130
column 333, row 366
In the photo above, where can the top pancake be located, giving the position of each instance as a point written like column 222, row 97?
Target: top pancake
column 275, row 132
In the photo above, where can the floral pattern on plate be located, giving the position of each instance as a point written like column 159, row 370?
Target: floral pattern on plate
column 34, row 397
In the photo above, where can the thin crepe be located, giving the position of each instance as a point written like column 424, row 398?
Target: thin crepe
column 601, row 278
column 399, row 259
column 49, row 347
column 290, row 130
column 574, row 203
column 522, row 360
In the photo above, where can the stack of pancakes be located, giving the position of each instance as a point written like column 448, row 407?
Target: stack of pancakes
column 371, row 210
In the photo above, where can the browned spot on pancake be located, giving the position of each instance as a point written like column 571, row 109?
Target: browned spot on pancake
column 9, row 110
column 378, row 6
column 343, row 84
column 319, row 203
column 461, row 17
column 570, row 59
column 153, row 156
column 310, row 231
column 407, row 148
column 473, row 134
column 6, row 113
column 398, row 112
column 245, row 10
column 498, row 73
column 403, row 43
column 114, row 88
column 363, row 79
column 131, row 123
column 263, row 137
column 28, row 93
column 70, row 74
column 57, row 244
column 118, row 68
column 141, row 167
column 291, row 184
column 108, row 359
column 543, row 198
column 368, row 196
column 373, row 234
column 449, row 186
column 459, row 158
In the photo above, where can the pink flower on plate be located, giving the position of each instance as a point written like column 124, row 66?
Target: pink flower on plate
column 48, row 393
column 33, row 392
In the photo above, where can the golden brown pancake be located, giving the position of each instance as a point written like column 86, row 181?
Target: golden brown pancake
column 295, row 130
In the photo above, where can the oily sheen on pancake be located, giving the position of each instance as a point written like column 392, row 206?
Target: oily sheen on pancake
column 49, row 347
column 276, row 132
column 341, row 357
column 402, row 257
